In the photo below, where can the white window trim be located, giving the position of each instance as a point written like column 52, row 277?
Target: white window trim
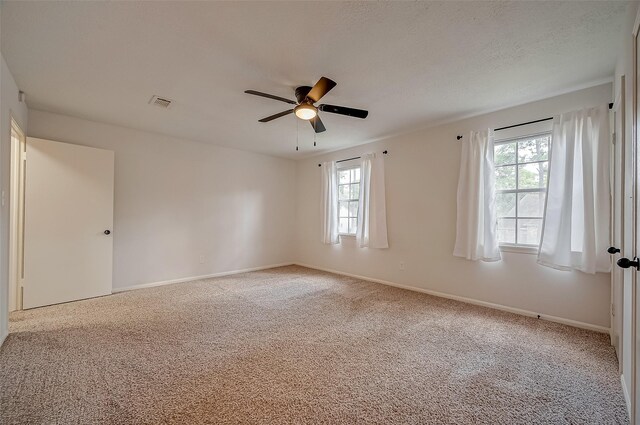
column 521, row 248
column 348, row 165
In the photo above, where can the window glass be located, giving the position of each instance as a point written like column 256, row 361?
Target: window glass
column 506, row 177
column 505, row 154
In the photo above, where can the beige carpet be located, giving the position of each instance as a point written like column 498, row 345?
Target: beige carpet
column 293, row 345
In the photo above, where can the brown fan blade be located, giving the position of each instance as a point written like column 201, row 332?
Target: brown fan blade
column 317, row 124
column 321, row 88
column 273, row 117
column 343, row 110
column 270, row 96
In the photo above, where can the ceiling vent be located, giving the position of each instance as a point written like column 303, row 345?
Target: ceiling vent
column 161, row 102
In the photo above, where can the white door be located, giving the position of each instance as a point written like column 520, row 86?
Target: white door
column 633, row 318
column 68, row 221
column 617, row 219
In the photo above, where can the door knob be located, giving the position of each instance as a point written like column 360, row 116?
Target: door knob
column 625, row 263
column 613, row 250
column 107, row 232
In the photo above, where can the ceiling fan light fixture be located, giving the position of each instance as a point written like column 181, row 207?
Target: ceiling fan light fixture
column 305, row 111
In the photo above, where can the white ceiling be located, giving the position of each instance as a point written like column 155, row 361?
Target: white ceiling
column 409, row 63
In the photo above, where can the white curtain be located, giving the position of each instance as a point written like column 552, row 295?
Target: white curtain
column 575, row 232
column 372, row 220
column 330, row 203
column 476, row 229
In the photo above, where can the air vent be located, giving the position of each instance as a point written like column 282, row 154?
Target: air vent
column 161, row 102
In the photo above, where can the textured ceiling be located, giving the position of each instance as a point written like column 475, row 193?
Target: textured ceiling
column 409, row 63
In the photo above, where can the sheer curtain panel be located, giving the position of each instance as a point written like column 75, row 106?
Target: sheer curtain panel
column 575, row 231
column 372, row 220
column 329, row 203
column 476, row 229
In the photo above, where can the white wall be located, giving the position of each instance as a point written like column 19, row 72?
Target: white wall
column 9, row 106
column 176, row 200
column 421, row 183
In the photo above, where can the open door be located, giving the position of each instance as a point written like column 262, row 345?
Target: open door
column 635, row 381
column 631, row 248
column 68, row 244
column 617, row 218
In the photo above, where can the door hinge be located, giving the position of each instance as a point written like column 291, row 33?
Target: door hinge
column 613, row 309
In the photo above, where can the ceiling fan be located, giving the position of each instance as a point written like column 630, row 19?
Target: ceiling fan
column 305, row 109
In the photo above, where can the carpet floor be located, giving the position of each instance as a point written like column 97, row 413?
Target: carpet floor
column 294, row 345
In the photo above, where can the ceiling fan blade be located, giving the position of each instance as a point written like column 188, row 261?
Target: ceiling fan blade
column 343, row 110
column 317, row 124
column 321, row 88
column 273, row 117
column 270, row 96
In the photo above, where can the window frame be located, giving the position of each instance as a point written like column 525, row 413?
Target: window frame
column 344, row 166
column 516, row 246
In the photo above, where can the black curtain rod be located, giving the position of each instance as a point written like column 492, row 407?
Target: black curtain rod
column 351, row 159
column 525, row 123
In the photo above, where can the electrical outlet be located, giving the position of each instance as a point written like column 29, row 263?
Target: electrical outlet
column 401, row 265
column 201, row 259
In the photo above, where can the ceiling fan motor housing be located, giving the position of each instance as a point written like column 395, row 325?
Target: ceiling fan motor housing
column 302, row 92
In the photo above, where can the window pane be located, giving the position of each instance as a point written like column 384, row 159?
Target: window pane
column 355, row 175
column 343, row 176
column 506, row 204
column 529, row 231
column 343, row 225
column 506, row 230
column 531, row 204
column 532, row 176
column 344, row 209
column 536, row 149
column 353, row 225
column 343, row 192
column 353, row 209
column 355, row 191
column 505, row 154
column 506, row 177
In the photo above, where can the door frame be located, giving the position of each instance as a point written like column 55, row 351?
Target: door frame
column 16, row 214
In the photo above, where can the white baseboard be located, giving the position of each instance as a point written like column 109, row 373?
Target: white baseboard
column 514, row 310
column 192, row 278
column 519, row 311
column 627, row 399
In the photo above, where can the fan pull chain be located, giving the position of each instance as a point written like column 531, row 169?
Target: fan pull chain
column 297, row 133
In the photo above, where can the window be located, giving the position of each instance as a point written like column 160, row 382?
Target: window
column 522, row 166
column 348, row 200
